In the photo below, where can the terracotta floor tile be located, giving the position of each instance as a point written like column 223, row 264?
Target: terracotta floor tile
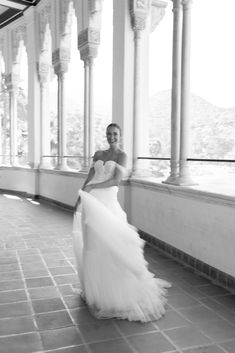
column 61, row 338
column 46, row 305
column 172, row 319
column 186, row 337
column 128, row 328
column 61, row 270
column 16, row 325
column 44, row 292
column 115, row 346
column 99, row 331
column 25, row 343
column 74, row 301
column 200, row 316
column 77, row 349
column 205, row 349
column 11, row 285
column 39, row 282
column 15, row 309
column 13, row 296
column 229, row 346
column 53, row 320
column 151, row 343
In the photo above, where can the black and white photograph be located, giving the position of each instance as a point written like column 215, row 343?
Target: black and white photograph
column 117, row 176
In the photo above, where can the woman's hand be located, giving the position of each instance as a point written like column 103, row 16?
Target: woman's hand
column 77, row 204
column 88, row 188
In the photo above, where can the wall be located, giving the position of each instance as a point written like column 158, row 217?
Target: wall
column 201, row 224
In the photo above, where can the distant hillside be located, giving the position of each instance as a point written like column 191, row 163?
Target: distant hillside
column 212, row 128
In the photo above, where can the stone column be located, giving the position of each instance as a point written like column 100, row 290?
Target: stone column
column 176, row 92
column 88, row 42
column 45, row 149
column 12, row 82
column 139, row 11
column 60, row 60
column 184, row 177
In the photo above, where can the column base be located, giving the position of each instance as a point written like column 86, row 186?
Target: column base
column 180, row 181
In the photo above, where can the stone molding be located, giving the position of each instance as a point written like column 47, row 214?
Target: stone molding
column 95, row 6
column 187, row 4
column 12, row 81
column 18, row 34
column 60, row 60
column 139, row 11
column 88, row 42
column 43, row 71
column 158, row 8
column 65, row 14
column 177, row 5
column 44, row 20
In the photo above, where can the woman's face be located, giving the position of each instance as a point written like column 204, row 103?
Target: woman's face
column 113, row 136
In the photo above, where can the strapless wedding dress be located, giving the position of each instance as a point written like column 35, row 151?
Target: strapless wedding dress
column 113, row 274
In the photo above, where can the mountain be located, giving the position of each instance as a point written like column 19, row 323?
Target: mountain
column 212, row 128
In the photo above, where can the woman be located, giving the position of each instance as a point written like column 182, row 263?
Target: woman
column 113, row 274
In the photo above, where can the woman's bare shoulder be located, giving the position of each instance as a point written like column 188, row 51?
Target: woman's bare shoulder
column 98, row 155
column 122, row 158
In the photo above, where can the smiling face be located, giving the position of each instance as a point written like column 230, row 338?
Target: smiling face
column 113, row 136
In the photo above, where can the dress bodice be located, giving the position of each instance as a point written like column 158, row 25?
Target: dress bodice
column 103, row 171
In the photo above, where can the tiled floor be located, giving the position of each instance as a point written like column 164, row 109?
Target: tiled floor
column 41, row 312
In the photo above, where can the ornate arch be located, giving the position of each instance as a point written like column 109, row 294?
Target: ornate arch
column 44, row 27
column 18, row 40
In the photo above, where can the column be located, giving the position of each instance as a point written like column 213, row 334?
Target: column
column 60, row 59
column 88, row 42
column 32, row 44
column 45, row 149
column 184, row 177
column 123, row 58
column 139, row 12
column 176, row 92
column 12, row 82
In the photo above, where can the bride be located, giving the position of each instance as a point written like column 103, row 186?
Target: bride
column 114, row 279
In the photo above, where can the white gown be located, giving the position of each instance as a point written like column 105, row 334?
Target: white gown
column 113, row 274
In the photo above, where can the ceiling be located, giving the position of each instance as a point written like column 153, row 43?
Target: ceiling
column 12, row 9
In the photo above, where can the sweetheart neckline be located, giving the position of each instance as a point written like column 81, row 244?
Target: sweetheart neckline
column 105, row 162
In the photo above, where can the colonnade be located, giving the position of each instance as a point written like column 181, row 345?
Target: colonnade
column 131, row 28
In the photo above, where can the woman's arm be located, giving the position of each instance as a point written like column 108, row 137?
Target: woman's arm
column 89, row 177
column 117, row 177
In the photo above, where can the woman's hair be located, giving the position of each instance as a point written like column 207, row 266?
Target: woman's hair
column 114, row 125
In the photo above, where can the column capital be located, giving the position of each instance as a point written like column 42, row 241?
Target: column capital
column 12, row 81
column 187, row 4
column 60, row 60
column 157, row 12
column 139, row 11
column 177, row 5
column 43, row 72
column 88, row 42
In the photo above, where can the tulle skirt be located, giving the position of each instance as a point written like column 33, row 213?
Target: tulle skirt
column 113, row 274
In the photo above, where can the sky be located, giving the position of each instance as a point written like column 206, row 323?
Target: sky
column 212, row 51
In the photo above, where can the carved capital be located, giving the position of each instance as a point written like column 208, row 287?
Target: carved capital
column 18, row 34
column 157, row 12
column 95, row 6
column 2, row 44
column 44, row 20
column 60, row 60
column 177, row 5
column 43, row 71
column 139, row 11
column 88, row 42
column 12, row 81
column 187, row 4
